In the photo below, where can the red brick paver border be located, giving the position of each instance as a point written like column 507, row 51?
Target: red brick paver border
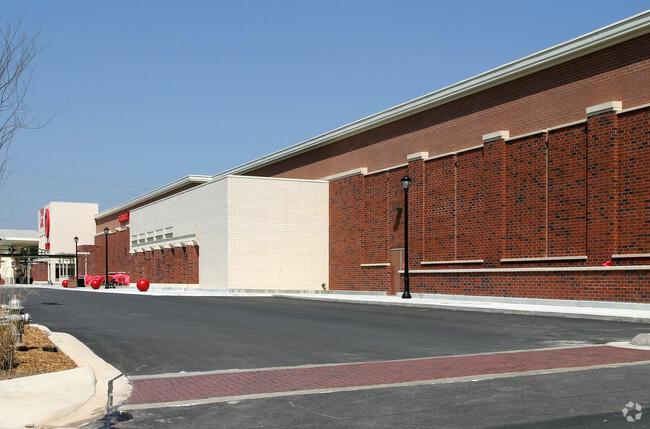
column 240, row 383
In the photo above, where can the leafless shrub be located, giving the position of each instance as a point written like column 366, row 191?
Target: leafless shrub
column 7, row 349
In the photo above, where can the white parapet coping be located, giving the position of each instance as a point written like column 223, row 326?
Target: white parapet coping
column 631, row 255
column 546, row 259
column 461, row 261
column 417, row 156
column 349, row 173
column 530, row 270
column 497, row 135
column 610, row 106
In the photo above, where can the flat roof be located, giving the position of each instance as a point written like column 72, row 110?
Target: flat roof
column 170, row 187
column 18, row 235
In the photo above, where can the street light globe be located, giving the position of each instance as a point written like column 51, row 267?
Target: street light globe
column 406, row 182
column 106, row 230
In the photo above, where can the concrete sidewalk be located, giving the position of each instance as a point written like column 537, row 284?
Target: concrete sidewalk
column 617, row 311
column 65, row 399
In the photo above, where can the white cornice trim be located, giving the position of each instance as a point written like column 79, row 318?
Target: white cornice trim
column 417, row 156
column 546, row 259
column 183, row 181
column 497, row 135
column 456, row 262
column 591, row 42
column 523, row 136
column 164, row 243
column 344, row 174
column 610, row 106
column 632, row 255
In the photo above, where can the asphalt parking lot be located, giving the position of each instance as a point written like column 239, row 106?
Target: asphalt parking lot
column 145, row 336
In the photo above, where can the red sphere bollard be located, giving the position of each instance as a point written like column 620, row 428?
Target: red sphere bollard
column 64, row 283
column 143, row 285
column 95, row 284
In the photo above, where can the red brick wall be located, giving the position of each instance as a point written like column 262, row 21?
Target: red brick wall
column 633, row 190
column 169, row 265
column 525, row 203
column 375, row 200
column 118, row 253
column 567, row 175
column 440, row 210
column 580, row 191
column 628, row 286
column 469, row 203
column 39, row 271
column 347, row 227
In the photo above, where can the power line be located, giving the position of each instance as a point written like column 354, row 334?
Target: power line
column 77, row 197
column 76, row 180
column 68, row 187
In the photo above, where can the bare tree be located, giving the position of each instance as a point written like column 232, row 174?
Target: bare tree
column 17, row 51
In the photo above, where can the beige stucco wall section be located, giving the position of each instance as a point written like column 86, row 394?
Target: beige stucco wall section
column 68, row 220
column 278, row 233
column 252, row 232
column 197, row 215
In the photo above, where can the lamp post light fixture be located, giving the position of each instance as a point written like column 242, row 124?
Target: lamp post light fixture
column 106, row 285
column 406, row 184
column 76, row 261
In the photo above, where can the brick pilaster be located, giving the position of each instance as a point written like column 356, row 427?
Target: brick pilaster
column 417, row 191
column 602, row 167
column 494, row 219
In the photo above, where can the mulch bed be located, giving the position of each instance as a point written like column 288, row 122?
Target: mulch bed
column 34, row 360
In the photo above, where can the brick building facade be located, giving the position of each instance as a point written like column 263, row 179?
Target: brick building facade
column 532, row 216
column 157, row 265
column 526, row 180
column 167, row 265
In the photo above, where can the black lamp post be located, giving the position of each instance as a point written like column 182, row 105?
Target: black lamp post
column 106, row 285
column 76, row 262
column 406, row 183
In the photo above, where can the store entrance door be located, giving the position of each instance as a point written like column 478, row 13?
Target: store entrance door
column 396, row 264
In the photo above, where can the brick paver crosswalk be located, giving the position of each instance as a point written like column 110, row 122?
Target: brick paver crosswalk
column 242, row 383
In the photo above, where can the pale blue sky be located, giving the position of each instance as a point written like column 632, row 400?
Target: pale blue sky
column 155, row 90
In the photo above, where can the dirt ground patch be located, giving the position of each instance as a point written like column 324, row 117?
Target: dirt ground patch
column 35, row 360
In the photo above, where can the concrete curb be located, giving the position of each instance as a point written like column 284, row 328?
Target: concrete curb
column 577, row 311
column 65, row 399
column 596, row 310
